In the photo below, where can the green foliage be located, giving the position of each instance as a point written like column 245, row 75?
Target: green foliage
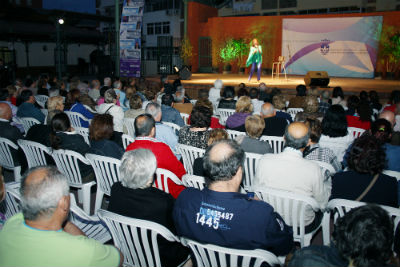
column 389, row 51
column 186, row 50
column 234, row 49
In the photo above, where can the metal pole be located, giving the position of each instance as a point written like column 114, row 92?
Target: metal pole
column 117, row 19
column 58, row 50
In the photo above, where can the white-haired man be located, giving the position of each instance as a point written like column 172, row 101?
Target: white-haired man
column 110, row 107
column 180, row 104
column 135, row 197
column 215, row 92
column 41, row 234
column 274, row 125
column 117, row 85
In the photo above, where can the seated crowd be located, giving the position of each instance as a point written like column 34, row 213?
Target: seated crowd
column 321, row 158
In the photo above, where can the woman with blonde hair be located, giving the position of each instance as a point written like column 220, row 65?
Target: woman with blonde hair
column 244, row 108
column 251, row 141
column 255, row 58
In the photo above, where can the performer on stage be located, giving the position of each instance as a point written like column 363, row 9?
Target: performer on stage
column 255, row 58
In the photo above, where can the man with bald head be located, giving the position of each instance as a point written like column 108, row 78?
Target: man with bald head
column 41, row 235
column 222, row 216
column 290, row 171
column 390, row 116
column 274, row 126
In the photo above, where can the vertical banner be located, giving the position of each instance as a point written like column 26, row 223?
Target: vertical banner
column 344, row 47
column 130, row 38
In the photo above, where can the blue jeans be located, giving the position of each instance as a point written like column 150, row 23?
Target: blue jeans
column 258, row 71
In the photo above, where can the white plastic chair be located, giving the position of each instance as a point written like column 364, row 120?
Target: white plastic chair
column 190, row 180
column 90, row 109
column 276, row 142
column 208, row 255
column 67, row 163
column 27, row 122
column 130, row 126
column 292, row 208
column 193, row 101
column 392, row 173
column 162, row 177
column 106, row 170
column 35, row 153
column 92, row 226
column 356, row 132
column 224, row 113
column 339, row 207
column 84, row 132
column 294, row 111
column 233, row 134
column 76, row 118
column 6, row 159
column 45, row 111
column 250, row 167
column 137, row 239
column 185, row 118
column 10, row 206
column 127, row 140
column 189, row 154
column 174, row 126
column 41, row 100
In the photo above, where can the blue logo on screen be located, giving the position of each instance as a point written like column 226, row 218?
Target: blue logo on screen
column 324, row 47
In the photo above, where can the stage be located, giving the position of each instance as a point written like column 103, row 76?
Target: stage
column 349, row 85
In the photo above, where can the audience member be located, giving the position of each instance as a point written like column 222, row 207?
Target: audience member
column 298, row 100
column 324, row 102
column 244, row 108
column 215, row 92
column 117, row 85
column 74, row 104
column 362, row 118
column 181, row 104
column 334, row 131
column 391, row 117
column 145, row 131
column 214, row 120
column 310, row 109
column 227, row 101
column 27, row 109
column 135, row 104
column 279, row 102
column 352, row 103
column 220, row 215
column 42, row 235
column 274, row 125
column 254, row 95
column 338, row 97
column 251, row 142
column 100, row 133
column 362, row 237
column 169, row 113
column 242, row 91
column 302, row 177
column 2, row 197
column 364, row 180
column 5, row 98
column 94, row 91
column 110, row 107
column 374, row 101
column 196, row 134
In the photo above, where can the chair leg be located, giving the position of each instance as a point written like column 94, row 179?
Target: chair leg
column 326, row 228
column 307, row 240
column 80, row 196
column 99, row 199
column 86, row 198
column 17, row 173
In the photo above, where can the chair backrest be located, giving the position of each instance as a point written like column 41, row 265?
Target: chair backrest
column 11, row 205
column 84, row 132
column 45, row 111
column 106, row 170
column 6, row 159
column 250, row 167
column 189, row 154
column 276, row 142
column 224, row 113
column 185, row 117
column 67, row 163
column 162, row 177
column 290, row 206
column 325, row 168
column 392, row 173
column 76, row 118
column 193, row 101
column 130, row 126
column 127, row 140
column 35, row 153
column 233, row 134
column 137, row 239
column 294, row 111
column 41, row 100
column 356, row 132
column 190, row 180
column 92, row 226
column 174, row 126
column 208, row 255
column 27, row 122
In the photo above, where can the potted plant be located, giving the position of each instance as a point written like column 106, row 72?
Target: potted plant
column 241, row 49
column 389, row 52
column 186, row 52
column 228, row 54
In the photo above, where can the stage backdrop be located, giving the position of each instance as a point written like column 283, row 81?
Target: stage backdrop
column 130, row 38
column 344, row 47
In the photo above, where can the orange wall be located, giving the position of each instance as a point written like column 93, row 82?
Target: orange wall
column 204, row 21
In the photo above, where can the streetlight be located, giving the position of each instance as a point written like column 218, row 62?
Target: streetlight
column 59, row 22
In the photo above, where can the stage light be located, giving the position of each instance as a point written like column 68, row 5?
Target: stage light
column 176, row 69
column 61, row 21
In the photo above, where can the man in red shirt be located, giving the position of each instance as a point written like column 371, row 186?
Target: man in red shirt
column 145, row 131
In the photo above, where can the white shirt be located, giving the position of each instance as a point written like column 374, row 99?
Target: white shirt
column 257, row 104
column 116, row 112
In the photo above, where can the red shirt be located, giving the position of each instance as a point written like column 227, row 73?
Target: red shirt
column 354, row 121
column 165, row 160
column 214, row 123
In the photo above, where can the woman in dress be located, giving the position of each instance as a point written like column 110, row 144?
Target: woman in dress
column 255, row 59
column 197, row 133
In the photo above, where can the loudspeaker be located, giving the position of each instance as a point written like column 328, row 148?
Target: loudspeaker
column 316, row 78
column 184, row 73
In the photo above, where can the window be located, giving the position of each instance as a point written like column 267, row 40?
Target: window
column 157, row 28
column 150, row 28
column 287, row 3
column 268, row 4
column 165, row 27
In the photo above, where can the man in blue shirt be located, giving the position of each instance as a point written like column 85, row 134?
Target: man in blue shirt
column 170, row 114
column 27, row 108
column 220, row 215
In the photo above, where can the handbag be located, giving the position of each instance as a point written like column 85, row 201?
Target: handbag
column 371, row 184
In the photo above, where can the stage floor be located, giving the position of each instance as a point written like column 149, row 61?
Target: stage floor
column 206, row 80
